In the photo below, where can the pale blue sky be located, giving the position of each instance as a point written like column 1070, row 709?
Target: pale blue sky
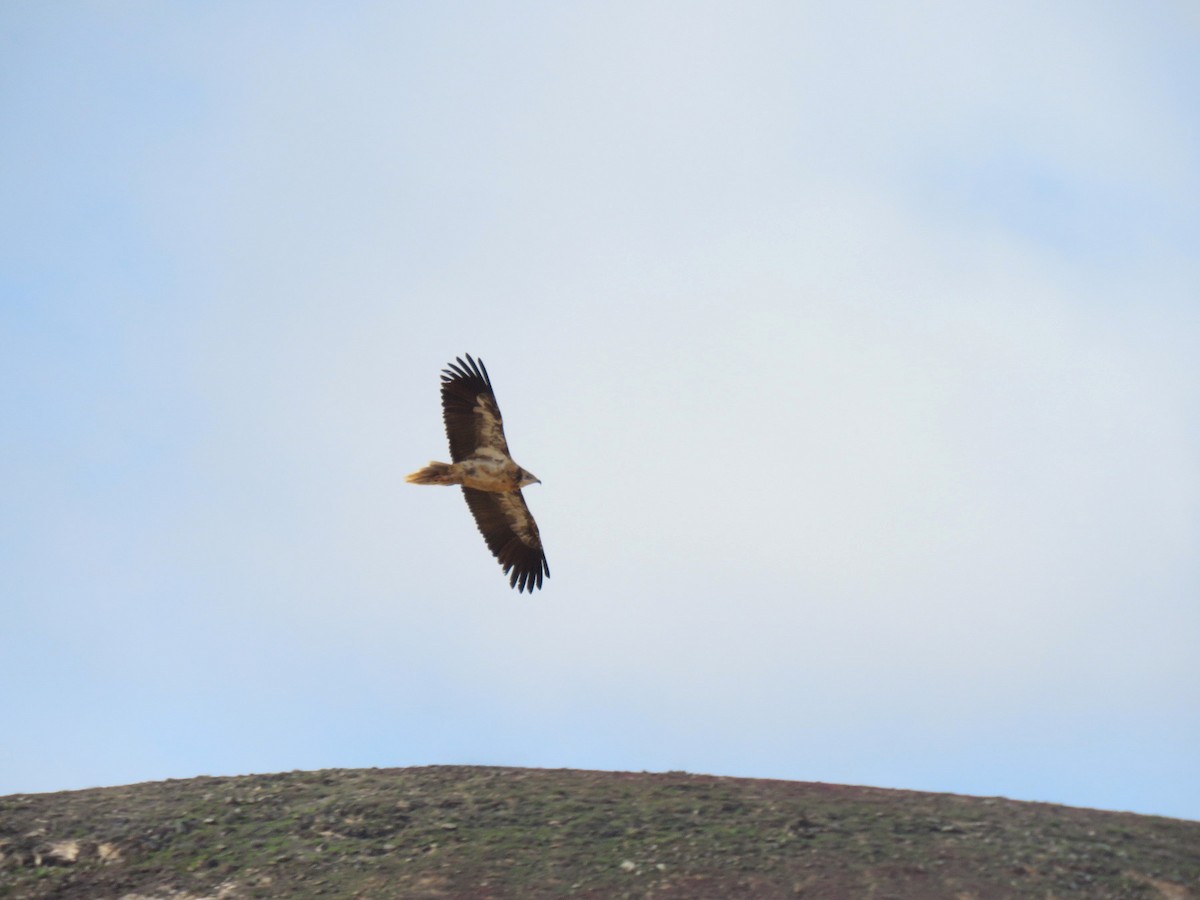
column 855, row 348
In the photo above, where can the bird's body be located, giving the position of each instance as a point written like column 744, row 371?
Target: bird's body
column 485, row 471
column 490, row 479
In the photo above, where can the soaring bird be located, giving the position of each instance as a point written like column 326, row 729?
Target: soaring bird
column 491, row 481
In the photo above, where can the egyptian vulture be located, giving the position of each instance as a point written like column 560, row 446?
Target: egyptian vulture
column 490, row 480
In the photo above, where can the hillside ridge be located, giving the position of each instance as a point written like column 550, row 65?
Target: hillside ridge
column 485, row 831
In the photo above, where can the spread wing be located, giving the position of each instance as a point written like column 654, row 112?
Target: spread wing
column 470, row 410
column 511, row 534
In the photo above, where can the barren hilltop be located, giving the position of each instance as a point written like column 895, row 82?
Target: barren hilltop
column 467, row 831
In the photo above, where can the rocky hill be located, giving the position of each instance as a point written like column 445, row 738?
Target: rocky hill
column 457, row 831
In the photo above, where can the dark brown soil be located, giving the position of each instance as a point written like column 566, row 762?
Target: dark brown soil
column 457, row 831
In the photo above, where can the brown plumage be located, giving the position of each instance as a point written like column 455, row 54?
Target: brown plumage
column 490, row 479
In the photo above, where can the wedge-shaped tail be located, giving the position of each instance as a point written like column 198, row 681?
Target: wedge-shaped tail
column 435, row 473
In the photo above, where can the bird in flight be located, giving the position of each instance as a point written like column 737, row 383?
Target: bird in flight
column 490, row 480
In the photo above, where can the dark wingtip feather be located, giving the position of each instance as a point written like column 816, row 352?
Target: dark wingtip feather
column 468, row 369
column 525, row 579
column 481, row 369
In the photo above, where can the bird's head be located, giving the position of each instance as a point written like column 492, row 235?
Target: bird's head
column 528, row 478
